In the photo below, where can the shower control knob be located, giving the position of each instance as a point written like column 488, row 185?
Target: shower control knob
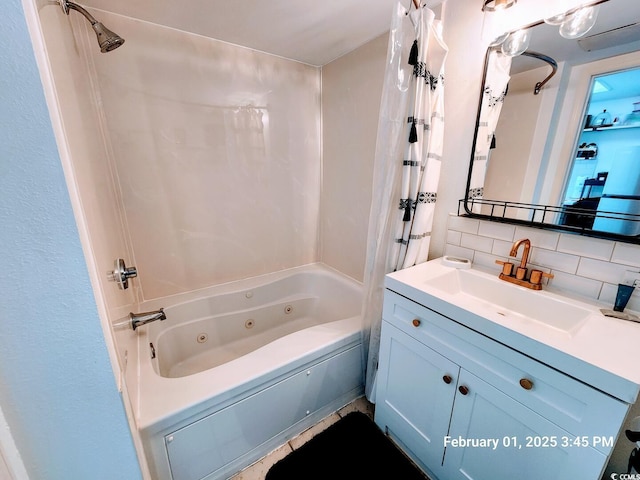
column 121, row 274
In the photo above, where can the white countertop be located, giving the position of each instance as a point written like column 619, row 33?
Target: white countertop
column 602, row 352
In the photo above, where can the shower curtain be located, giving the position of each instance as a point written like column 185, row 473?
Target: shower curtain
column 407, row 162
column 495, row 90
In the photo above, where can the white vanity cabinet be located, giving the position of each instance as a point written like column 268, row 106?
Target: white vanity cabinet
column 441, row 383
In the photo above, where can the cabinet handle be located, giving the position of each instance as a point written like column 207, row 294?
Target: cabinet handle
column 526, row 383
column 447, row 379
column 416, row 322
column 463, row 390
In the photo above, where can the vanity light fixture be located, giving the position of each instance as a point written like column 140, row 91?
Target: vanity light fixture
column 495, row 5
column 573, row 24
column 495, row 10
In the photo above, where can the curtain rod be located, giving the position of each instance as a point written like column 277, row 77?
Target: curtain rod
column 544, row 58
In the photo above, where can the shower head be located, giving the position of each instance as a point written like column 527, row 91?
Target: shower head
column 107, row 39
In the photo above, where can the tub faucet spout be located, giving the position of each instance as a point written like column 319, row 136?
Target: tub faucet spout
column 139, row 319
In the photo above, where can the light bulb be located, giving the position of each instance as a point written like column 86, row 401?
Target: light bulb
column 556, row 19
column 496, row 5
column 516, row 43
column 499, row 39
column 579, row 22
column 502, row 4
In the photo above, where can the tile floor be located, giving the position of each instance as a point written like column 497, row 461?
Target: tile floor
column 258, row 470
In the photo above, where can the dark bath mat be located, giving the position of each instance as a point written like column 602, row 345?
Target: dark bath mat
column 350, row 449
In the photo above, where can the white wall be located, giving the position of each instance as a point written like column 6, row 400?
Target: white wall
column 217, row 156
column 351, row 93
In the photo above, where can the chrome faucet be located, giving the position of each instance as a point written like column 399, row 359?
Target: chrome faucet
column 534, row 281
column 139, row 319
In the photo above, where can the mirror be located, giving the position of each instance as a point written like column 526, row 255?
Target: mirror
column 541, row 158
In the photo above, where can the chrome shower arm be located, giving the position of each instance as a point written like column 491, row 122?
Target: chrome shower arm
column 66, row 6
column 107, row 39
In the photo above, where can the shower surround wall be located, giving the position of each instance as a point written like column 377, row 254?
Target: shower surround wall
column 196, row 161
column 84, row 148
column 217, row 154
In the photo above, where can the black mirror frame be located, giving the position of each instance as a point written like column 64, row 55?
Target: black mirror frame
column 537, row 212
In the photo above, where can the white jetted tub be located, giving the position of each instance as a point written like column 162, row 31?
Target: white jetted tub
column 237, row 369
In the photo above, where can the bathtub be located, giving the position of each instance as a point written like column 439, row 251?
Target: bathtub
column 238, row 369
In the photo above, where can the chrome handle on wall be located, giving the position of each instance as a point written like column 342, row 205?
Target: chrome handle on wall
column 121, row 274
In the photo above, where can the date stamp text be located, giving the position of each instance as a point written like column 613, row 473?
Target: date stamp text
column 530, row 441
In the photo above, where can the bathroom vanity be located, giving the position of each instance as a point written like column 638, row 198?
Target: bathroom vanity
column 479, row 378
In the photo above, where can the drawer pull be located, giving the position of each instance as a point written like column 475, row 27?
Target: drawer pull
column 463, row 390
column 526, row 383
column 416, row 322
column 447, row 379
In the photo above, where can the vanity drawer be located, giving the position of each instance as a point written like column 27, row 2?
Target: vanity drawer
column 574, row 406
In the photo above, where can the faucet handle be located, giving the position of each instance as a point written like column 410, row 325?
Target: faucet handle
column 507, row 267
column 121, row 274
column 538, row 275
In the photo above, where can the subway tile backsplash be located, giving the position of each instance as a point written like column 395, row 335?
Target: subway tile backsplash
column 626, row 254
column 586, row 247
column 585, row 266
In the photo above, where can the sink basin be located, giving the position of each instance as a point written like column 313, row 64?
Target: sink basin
column 508, row 300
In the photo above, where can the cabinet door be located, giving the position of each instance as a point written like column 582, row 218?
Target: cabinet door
column 528, row 445
column 416, row 387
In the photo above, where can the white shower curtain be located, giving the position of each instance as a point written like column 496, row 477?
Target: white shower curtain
column 407, row 162
column 495, row 89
